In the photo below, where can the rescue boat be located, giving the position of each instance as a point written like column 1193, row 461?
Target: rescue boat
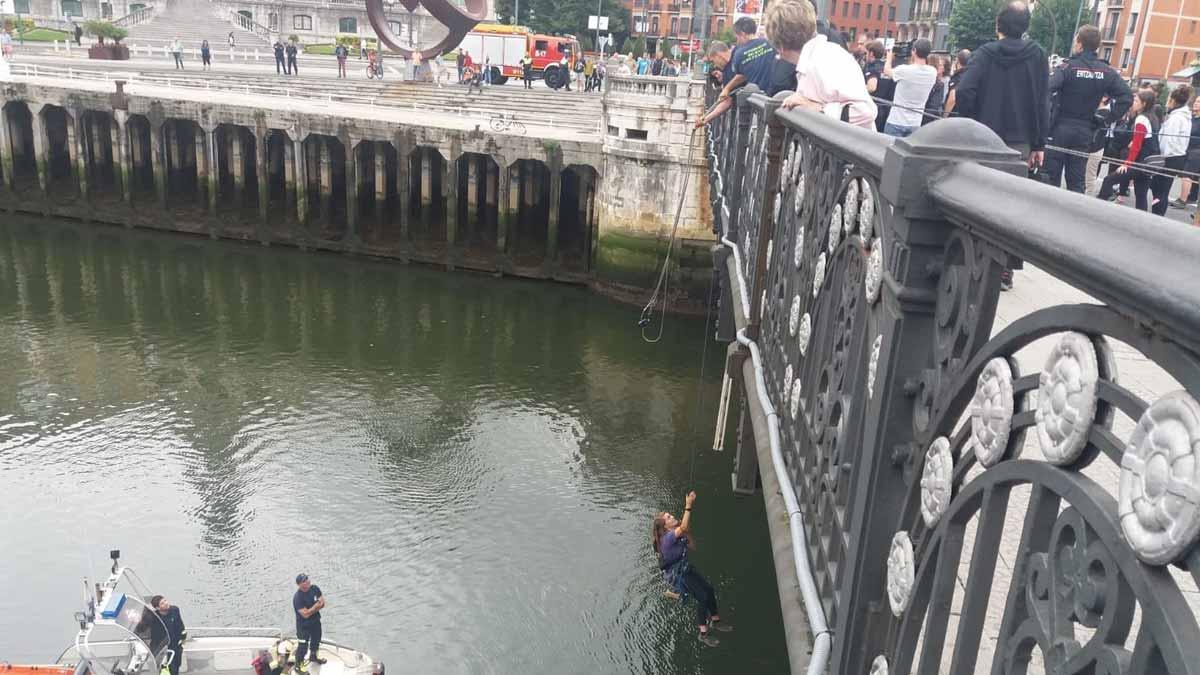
column 119, row 634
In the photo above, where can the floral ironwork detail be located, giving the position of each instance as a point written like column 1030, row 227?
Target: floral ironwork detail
column 794, row 317
column 835, row 229
column 874, row 279
column 936, row 481
column 795, row 401
column 901, row 571
column 798, row 250
column 873, row 365
column 1067, row 398
column 866, row 211
column 819, row 275
column 992, row 412
column 880, row 665
column 1159, row 495
column 804, row 332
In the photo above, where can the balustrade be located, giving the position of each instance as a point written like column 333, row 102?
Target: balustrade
column 867, row 271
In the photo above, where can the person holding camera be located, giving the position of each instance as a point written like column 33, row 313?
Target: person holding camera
column 914, row 81
column 1076, row 89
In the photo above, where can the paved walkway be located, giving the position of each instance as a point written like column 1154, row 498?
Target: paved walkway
column 1035, row 289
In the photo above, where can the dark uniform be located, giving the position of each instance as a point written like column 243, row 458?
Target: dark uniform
column 176, row 633
column 308, row 631
column 1076, row 88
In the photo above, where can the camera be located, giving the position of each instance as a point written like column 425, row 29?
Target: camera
column 902, row 50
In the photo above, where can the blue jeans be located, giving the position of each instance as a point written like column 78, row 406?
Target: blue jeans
column 897, row 130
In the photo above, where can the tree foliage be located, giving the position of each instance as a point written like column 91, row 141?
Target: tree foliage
column 564, row 16
column 105, row 29
column 1049, row 15
column 972, row 23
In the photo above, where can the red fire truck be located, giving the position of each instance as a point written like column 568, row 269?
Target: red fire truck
column 505, row 46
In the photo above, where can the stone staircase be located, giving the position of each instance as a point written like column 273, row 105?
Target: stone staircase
column 192, row 21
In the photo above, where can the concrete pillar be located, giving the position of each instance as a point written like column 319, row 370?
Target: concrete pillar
column 6, row 150
column 528, row 191
column 174, row 156
column 262, row 178
column 326, row 168
column 156, row 163
column 510, row 193
column 137, row 149
column 381, row 182
column 426, row 185
column 214, row 169
column 589, row 231
column 403, row 183
column 450, row 195
column 124, row 162
column 289, row 175
column 300, row 166
column 237, row 164
column 472, row 214
column 552, row 220
column 201, row 154
column 81, row 154
column 41, row 149
column 489, row 201
column 96, row 135
column 351, row 189
column 73, row 147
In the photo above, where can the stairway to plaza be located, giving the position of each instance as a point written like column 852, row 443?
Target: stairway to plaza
column 192, row 21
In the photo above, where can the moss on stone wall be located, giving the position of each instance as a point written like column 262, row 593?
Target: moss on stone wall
column 625, row 261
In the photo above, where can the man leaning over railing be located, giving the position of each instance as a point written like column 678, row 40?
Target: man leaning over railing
column 828, row 79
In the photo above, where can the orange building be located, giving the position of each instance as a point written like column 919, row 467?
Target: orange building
column 1149, row 40
column 863, row 20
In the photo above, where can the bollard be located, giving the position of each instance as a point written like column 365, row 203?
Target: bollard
column 256, row 54
column 56, row 46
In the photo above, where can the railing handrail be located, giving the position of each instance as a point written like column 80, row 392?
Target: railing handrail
column 248, row 24
column 136, row 17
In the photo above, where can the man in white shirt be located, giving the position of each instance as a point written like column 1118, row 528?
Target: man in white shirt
column 828, row 79
column 914, row 81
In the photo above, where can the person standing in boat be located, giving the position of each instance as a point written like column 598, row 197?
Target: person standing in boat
column 172, row 621
column 308, row 603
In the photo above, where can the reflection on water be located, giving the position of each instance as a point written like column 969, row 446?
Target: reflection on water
column 466, row 466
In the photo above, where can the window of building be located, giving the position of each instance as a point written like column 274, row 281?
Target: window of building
column 1132, row 23
column 654, row 24
column 1184, row 60
column 845, row 9
column 273, row 21
column 21, row 6
column 720, row 24
column 397, row 28
column 891, row 15
column 868, row 13
column 1124, row 58
column 879, row 13
column 347, row 24
column 855, row 13
column 674, row 25
column 1107, row 56
column 853, row 33
column 72, row 8
column 106, row 10
column 301, row 22
column 832, row 7
column 1193, row 29
column 1113, row 19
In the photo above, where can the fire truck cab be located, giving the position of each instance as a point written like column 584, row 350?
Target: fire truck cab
column 502, row 47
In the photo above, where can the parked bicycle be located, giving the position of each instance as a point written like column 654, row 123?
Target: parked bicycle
column 374, row 70
column 501, row 122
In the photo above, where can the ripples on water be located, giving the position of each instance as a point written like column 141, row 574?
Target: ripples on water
column 466, row 466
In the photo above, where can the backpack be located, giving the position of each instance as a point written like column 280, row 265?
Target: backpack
column 262, row 663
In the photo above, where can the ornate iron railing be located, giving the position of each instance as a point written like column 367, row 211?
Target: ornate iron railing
column 919, row 453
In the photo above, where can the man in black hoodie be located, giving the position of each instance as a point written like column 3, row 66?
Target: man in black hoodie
column 1006, row 86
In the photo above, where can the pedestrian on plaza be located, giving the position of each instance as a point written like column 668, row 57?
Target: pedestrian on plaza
column 914, row 82
column 292, row 66
column 1077, row 87
column 1006, row 86
column 600, row 73
column 828, row 79
column 363, row 52
column 168, row 631
column 6, row 44
column 461, row 62
column 205, row 55
column 643, row 65
column 565, row 68
column 78, row 35
column 177, row 52
column 1173, row 145
column 579, row 68
column 589, row 68
column 1191, row 167
column 526, row 70
column 307, row 603
column 487, row 70
column 937, row 95
column 1143, row 145
column 671, row 540
column 341, row 53
column 280, row 63
column 960, row 68
column 232, row 42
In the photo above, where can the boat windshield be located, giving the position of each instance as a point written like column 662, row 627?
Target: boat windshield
column 125, row 636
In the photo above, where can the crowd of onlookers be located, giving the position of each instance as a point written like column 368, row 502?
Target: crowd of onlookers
column 1066, row 122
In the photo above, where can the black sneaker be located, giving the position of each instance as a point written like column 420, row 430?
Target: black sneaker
column 709, row 640
column 319, row 660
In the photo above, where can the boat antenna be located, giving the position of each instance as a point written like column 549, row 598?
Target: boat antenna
column 114, row 554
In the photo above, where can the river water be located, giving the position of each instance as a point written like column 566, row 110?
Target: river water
column 467, row 466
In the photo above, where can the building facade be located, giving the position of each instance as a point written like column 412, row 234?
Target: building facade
column 53, row 11
column 929, row 19
column 1149, row 40
column 678, row 20
column 863, row 20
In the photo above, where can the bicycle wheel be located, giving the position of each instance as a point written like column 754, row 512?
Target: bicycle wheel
column 518, row 127
column 498, row 124
column 370, row 73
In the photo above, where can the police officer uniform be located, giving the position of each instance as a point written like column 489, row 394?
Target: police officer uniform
column 1076, row 88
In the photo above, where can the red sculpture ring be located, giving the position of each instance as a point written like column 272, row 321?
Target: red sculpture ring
column 458, row 21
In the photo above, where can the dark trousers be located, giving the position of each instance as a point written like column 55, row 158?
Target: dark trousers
column 309, row 638
column 529, row 80
column 293, row 67
column 1073, row 137
column 280, row 65
column 705, row 594
column 178, row 60
column 1160, row 185
column 173, row 666
column 1141, row 185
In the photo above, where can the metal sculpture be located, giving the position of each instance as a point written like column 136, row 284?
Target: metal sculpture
column 457, row 20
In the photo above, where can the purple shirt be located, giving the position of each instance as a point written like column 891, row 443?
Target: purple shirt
column 671, row 549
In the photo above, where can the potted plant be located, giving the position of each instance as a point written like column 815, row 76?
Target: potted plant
column 111, row 51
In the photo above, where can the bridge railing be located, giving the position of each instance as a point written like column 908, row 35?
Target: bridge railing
column 960, row 515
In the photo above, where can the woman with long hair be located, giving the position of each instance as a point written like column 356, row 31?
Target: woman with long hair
column 1143, row 145
column 671, row 541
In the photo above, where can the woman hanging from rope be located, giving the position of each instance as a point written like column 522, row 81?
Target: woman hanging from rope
column 671, row 541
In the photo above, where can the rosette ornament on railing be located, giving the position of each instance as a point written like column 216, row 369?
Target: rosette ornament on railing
column 962, row 516
column 458, row 21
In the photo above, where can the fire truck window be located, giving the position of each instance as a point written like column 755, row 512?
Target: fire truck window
column 541, row 45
